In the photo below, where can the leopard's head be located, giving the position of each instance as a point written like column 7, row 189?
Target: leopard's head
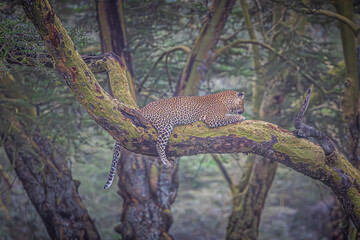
column 234, row 101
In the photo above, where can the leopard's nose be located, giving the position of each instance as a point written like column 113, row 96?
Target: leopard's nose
column 240, row 112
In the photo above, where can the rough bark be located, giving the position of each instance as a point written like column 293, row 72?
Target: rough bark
column 203, row 49
column 52, row 191
column 350, row 95
column 146, row 188
column 249, row 200
column 44, row 174
column 257, row 137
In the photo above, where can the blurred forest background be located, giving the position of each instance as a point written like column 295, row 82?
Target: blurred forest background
column 272, row 50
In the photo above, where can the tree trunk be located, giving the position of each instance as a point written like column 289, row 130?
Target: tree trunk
column 350, row 95
column 258, row 85
column 147, row 189
column 250, row 194
column 249, row 199
column 113, row 35
column 44, row 174
column 204, row 48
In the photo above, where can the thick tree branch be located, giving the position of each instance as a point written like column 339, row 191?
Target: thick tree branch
column 5, row 178
column 257, row 137
column 114, row 66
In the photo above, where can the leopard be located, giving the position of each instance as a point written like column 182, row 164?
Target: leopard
column 214, row 110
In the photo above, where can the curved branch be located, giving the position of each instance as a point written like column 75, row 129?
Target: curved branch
column 249, row 41
column 354, row 28
column 165, row 53
column 168, row 72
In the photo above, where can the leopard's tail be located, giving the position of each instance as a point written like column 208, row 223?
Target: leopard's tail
column 113, row 165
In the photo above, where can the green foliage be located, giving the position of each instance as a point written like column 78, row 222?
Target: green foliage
column 21, row 44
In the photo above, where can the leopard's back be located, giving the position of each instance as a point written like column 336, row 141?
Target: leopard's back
column 175, row 111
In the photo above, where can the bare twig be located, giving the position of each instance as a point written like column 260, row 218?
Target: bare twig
column 165, row 53
column 278, row 22
column 223, row 171
column 258, row 4
column 305, row 131
column 168, row 72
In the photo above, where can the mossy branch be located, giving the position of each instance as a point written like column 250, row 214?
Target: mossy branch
column 119, row 118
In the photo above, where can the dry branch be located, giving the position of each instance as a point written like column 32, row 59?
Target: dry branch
column 306, row 131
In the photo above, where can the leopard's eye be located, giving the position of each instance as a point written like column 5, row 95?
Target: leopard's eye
column 241, row 94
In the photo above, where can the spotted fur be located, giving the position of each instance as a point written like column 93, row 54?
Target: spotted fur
column 114, row 162
column 215, row 110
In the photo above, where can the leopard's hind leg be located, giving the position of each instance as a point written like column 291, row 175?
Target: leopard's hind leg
column 163, row 134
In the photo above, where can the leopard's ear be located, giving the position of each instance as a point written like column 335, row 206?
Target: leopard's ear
column 241, row 95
